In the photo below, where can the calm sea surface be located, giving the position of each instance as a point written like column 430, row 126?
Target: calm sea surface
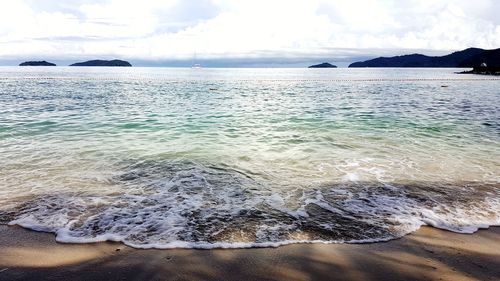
column 159, row 157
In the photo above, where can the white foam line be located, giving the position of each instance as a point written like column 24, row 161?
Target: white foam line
column 228, row 245
column 221, row 245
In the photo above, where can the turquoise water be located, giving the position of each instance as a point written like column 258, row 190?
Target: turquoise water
column 158, row 157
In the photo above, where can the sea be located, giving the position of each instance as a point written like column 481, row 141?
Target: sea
column 247, row 157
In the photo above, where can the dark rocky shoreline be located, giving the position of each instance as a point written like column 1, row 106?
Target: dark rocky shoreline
column 483, row 70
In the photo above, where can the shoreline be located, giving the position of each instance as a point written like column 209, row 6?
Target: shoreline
column 427, row 254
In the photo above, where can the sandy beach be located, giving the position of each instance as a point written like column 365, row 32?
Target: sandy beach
column 428, row 254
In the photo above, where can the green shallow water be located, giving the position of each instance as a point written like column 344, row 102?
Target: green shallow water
column 160, row 157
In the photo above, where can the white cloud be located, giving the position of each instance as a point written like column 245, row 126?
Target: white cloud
column 169, row 29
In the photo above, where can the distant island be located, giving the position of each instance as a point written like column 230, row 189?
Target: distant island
column 472, row 57
column 323, row 65
column 102, row 63
column 37, row 63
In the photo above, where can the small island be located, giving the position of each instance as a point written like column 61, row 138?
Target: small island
column 102, row 63
column 323, row 65
column 37, row 63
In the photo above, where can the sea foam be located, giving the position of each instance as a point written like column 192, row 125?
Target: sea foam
column 184, row 204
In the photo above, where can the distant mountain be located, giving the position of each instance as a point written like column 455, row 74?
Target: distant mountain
column 102, row 63
column 37, row 63
column 323, row 65
column 490, row 57
column 467, row 58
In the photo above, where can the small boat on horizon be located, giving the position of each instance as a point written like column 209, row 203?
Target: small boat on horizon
column 196, row 66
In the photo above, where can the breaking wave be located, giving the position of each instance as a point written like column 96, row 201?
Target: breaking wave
column 170, row 204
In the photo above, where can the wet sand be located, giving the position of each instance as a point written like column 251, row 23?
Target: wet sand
column 428, row 254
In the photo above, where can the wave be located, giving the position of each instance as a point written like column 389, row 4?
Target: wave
column 185, row 204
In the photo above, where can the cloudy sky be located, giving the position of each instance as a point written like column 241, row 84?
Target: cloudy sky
column 172, row 31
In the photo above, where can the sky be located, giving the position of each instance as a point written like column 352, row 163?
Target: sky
column 242, row 32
